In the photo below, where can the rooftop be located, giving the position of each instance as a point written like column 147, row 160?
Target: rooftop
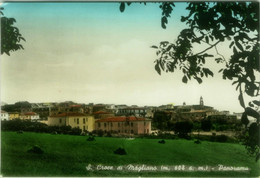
column 121, row 119
column 102, row 112
column 66, row 114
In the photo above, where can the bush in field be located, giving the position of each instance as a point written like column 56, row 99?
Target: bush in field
column 197, row 141
column 35, row 149
column 161, row 141
column 120, row 151
column 91, row 138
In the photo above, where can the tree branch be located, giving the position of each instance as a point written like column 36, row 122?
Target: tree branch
column 207, row 49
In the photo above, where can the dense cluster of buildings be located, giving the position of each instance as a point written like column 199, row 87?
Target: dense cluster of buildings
column 120, row 119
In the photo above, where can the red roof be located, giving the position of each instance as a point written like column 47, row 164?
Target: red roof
column 121, row 119
column 30, row 113
column 102, row 112
column 68, row 114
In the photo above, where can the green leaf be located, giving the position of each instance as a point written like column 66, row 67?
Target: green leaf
column 241, row 100
column 234, row 50
column 184, row 79
column 239, row 45
column 154, row 47
column 157, row 68
column 231, row 44
column 207, row 39
column 244, row 119
column 256, row 102
column 122, row 7
column 199, row 80
column 211, row 37
column 164, row 21
column 251, row 112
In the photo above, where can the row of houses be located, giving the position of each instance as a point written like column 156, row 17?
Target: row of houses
column 16, row 115
column 116, row 124
column 121, row 119
column 44, row 110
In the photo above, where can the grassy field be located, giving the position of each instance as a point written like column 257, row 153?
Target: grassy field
column 67, row 155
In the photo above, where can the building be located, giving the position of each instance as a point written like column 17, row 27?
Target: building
column 75, row 120
column 103, row 114
column 14, row 115
column 4, row 115
column 30, row 116
column 134, row 111
column 123, row 125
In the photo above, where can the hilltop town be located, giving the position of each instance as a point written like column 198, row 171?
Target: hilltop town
column 119, row 119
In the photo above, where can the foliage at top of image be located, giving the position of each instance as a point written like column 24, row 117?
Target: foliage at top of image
column 211, row 24
column 10, row 35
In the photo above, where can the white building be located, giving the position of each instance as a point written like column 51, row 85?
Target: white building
column 4, row 115
column 30, row 116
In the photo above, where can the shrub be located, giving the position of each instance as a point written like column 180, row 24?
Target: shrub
column 197, row 141
column 120, row 151
column 161, row 141
column 91, row 138
column 35, row 149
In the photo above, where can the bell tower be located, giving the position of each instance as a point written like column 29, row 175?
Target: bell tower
column 201, row 101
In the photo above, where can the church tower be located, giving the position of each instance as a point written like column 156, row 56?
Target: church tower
column 201, row 101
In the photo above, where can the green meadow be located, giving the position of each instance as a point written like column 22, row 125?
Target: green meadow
column 67, row 155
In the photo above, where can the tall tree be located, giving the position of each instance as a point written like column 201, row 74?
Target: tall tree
column 235, row 24
column 10, row 35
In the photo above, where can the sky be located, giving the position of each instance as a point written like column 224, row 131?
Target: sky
column 93, row 53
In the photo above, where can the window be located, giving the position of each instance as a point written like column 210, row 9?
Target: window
column 147, row 130
column 74, row 120
column 84, row 121
column 84, row 128
column 60, row 121
column 132, row 124
column 77, row 120
column 118, row 124
column 99, row 125
column 105, row 124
